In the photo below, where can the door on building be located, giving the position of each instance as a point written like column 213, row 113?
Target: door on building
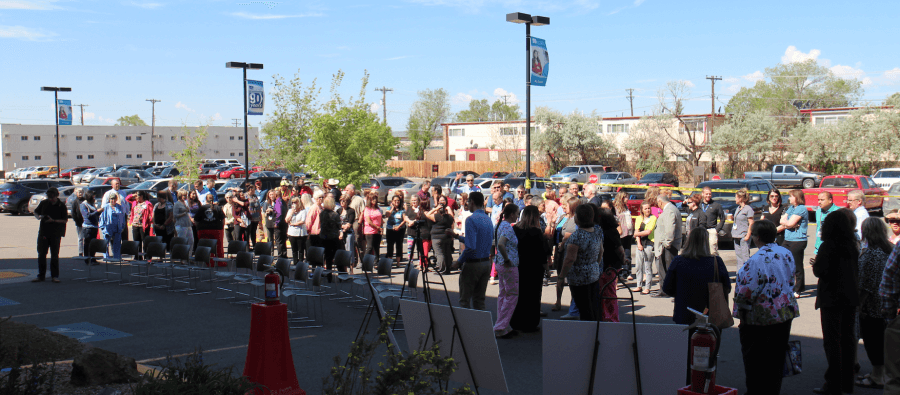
column 472, row 157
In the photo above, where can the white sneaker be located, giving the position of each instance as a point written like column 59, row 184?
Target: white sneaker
column 492, row 282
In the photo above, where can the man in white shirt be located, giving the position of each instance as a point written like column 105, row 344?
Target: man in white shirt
column 856, row 201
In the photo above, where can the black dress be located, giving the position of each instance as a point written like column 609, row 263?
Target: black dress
column 533, row 252
column 776, row 219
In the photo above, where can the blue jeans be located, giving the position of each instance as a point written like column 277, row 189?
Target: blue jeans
column 114, row 243
column 350, row 245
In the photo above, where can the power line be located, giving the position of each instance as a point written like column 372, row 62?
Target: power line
column 153, row 128
column 237, row 121
column 384, row 90
column 630, row 98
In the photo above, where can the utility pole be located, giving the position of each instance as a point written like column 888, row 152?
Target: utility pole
column 712, row 109
column 82, row 111
column 237, row 122
column 153, row 128
column 630, row 98
column 384, row 90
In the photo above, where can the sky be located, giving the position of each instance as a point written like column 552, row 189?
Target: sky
column 117, row 54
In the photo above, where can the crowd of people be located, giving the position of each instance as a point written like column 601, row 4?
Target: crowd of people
column 519, row 240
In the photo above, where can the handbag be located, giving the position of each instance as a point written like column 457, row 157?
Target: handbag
column 793, row 359
column 719, row 313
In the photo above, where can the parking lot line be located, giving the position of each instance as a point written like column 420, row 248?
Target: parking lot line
column 82, row 308
column 213, row 350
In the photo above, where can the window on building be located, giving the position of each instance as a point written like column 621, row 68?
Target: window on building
column 138, row 138
column 510, row 131
column 240, row 137
column 37, row 157
column 127, row 138
column 24, row 157
column 37, row 138
column 240, row 154
column 182, row 138
column 695, row 126
column 617, row 128
column 77, row 138
column 127, row 156
column 139, row 156
column 457, row 132
column 24, row 138
column 231, row 138
column 173, row 138
column 90, row 156
column 90, row 138
column 831, row 120
column 533, row 129
column 8, row 154
column 232, row 154
column 79, row 157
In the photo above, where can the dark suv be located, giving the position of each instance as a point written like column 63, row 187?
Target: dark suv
column 726, row 199
column 14, row 195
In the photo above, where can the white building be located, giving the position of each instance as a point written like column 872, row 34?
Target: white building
column 34, row 145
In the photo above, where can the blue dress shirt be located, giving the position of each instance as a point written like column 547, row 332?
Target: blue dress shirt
column 479, row 233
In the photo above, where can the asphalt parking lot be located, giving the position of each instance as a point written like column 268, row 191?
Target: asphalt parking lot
column 149, row 324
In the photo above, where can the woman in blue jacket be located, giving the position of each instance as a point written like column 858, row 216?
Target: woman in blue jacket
column 113, row 220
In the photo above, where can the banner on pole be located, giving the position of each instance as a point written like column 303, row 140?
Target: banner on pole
column 540, row 62
column 65, row 112
column 256, row 98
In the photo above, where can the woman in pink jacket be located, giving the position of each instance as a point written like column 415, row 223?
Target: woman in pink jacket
column 141, row 216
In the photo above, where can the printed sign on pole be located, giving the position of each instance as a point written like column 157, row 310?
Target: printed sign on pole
column 255, row 97
column 65, row 111
column 540, row 62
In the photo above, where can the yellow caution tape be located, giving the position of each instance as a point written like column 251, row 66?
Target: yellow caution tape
column 697, row 189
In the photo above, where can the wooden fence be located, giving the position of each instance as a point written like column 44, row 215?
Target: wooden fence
column 422, row 168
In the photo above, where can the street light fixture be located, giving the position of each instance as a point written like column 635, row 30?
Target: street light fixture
column 56, row 91
column 528, row 20
column 245, row 66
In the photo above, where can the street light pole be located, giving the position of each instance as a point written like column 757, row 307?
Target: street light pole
column 56, row 91
column 153, row 128
column 245, row 66
column 528, row 20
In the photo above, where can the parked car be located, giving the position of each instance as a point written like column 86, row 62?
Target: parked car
column 129, row 176
column 788, row 175
column 840, row 185
column 493, row 174
column 77, row 178
column 214, row 173
column 618, row 178
column 885, row 178
column 465, row 173
column 264, row 174
column 233, row 172
column 538, row 185
column 891, row 203
column 580, row 173
column 71, row 172
column 408, row 189
column 26, row 174
column 520, row 174
column 64, row 193
column 11, row 175
column 155, row 184
column 444, row 182
column 658, row 178
column 381, row 185
column 224, row 162
column 14, row 195
column 99, row 172
column 726, row 199
column 635, row 196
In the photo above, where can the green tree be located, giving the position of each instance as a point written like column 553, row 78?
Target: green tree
column 191, row 156
column 287, row 131
column 789, row 88
column 754, row 137
column 425, row 119
column 481, row 111
column 565, row 138
column 648, row 147
column 130, row 120
column 348, row 142
column 893, row 100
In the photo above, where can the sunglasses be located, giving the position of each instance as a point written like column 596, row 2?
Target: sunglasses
column 893, row 221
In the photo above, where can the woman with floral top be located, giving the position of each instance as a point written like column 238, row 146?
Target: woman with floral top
column 871, row 322
column 764, row 302
column 507, row 263
column 583, row 262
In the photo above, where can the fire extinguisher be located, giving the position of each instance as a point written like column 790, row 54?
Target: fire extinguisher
column 272, row 288
column 704, row 349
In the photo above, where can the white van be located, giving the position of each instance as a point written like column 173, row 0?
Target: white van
column 224, row 162
column 157, row 163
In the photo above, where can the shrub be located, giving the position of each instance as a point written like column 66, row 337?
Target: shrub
column 191, row 376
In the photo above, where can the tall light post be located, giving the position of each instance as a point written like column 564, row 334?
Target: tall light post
column 245, row 66
column 56, row 91
column 528, row 20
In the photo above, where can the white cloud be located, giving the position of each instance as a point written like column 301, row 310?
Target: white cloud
column 106, row 120
column 638, row 2
column 754, row 76
column 733, row 89
column 149, row 6
column 731, row 80
column 848, row 72
column 24, row 33
column 688, row 83
column 374, row 108
column 216, row 117
column 793, row 55
column 400, row 57
column 246, row 15
column 461, row 98
column 181, row 105
column 89, row 115
column 510, row 97
column 893, row 74
column 26, row 5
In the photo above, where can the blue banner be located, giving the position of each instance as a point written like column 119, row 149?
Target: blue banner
column 540, row 62
column 64, row 112
column 256, row 98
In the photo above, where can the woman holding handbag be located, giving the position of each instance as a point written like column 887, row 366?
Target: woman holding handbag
column 689, row 275
column 764, row 302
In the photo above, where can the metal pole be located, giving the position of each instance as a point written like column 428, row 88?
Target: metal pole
column 527, row 106
column 56, row 115
column 246, row 143
column 152, row 130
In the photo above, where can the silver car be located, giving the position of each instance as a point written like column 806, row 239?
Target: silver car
column 580, row 173
column 892, row 203
column 64, row 193
column 616, row 177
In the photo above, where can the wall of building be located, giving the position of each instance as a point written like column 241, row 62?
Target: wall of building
column 34, row 145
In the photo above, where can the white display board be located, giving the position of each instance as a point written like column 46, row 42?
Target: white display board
column 568, row 351
column 477, row 330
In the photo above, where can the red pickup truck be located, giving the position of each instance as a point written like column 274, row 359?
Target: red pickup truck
column 840, row 185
